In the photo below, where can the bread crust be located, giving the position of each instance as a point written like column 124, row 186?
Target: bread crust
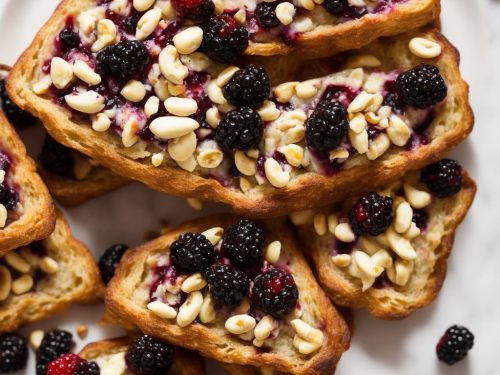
column 185, row 362
column 453, row 122
column 381, row 303
column 38, row 217
column 211, row 342
column 78, row 280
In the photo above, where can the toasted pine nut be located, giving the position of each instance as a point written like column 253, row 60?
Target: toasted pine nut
column 143, row 5
column 193, row 283
column 245, row 165
column 284, row 92
column 359, row 141
column 61, row 72
column 134, row 91
column 170, row 65
column 157, row 159
column 239, row 324
column 86, row 73
column 162, row 310
column 319, row 222
column 359, row 103
column 306, row 4
column 214, row 235
column 152, row 106
column 264, row 328
column 275, row 174
column 36, row 338
column 424, row 48
column 169, row 127
column 378, row 146
column 22, row 285
column 302, row 217
column 398, row 131
column 403, row 217
column 101, row 122
column 344, row 233
column 49, row 265
column 306, row 332
column 106, row 35
column 17, row 262
column 5, row 283
column 147, row 23
column 88, row 102
column 356, row 78
column 210, row 158
column 195, row 203
column 342, row 260
column 285, row 12
column 129, row 132
column 382, row 259
column 273, row 252
column 413, row 232
column 190, row 309
column 189, row 40
column 366, row 266
column 400, row 273
column 369, row 245
column 225, row 76
column 268, row 111
column 302, row 24
column 182, row 148
column 306, row 89
column 358, row 123
column 189, row 164
column 215, row 94
column 332, row 222
column 42, row 86
column 207, row 312
column 363, row 61
column 400, row 245
column 213, row 117
column 418, row 198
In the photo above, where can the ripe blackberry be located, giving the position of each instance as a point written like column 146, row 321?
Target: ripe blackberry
column 16, row 116
column 455, row 344
column 88, row 368
column 336, row 7
column 228, row 286
column 192, row 252
column 69, row 39
column 54, row 344
column 56, row 158
column 372, row 214
column 422, row 86
column 240, row 129
column 275, row 292
column 266, row 15
column 194, row 10
column 123, row 60
column 444, row 178
column 13, row 353
column 110, row 260
column 8, row 197
column 248, row 87
column 243, row 244
column 327, row 126
column 223, row 39
column 148, row 356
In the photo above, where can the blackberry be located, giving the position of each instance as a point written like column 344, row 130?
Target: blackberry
column 392, row 100
column 444, row 178
column 420, row 218
column 69, row 39
column 248, row 87
column 455, row 344
column 240, row 129
column 88, row 368
column 54, row 344
column 130, row 23
column 110, row 260
column 123, row 60
column 192, row 252
column 422, row 86
column 8, row 197
column 195, row 10
column 336, row 7
column 228, row 286
column 148, row 356
column 275, row 292
column 16, row 116
column 56, row 158
column 327, row 126
column 13, row 353
column 243, row 244
column 223, row 39
column 372, row 214
column 266, row 15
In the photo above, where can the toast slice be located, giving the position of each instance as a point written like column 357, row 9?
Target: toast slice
column 109, row 355
column 407, row 270
column 26, row 209
column 273, row 177
column 145, row 287
column 61, row 271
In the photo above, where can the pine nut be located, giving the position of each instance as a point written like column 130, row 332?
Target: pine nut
column 245, row 185
column 294, row 135
column 302, row 217
column 129, row 132
column 418, row 198
column 189, row 40
column 219, row 6
column 363, row 61
column 210, row 158
column 359, row 141
column 302, row 24
column 213, row 117
column 120, row 7
column 181, row 106
column 285, row 12
column 344, row 233
column 332, row 222
column 294, row 154
column 215, row 94
column 239, row 324
column 424, row 48
column 36, row 338
column 258, row 344
column 101, row 122
column 225, row 76
column 189, row 164
column 306, row 89
column 147, row 23
column 2, row 176
column 240, row 16
column 366, row 266
column 152, row 106
column 86, row 73
column 376, row 102
column 413, row 232
column 162, row 310
column 207, row 312
column 143, row 5
column 403, row 217
column 157, row 159
column 49, row 265
column 106, row 35
column 275, row 174
column 88, row 102
column 358, row 123
column 22, row 285
column 161, row 89
column 190, row 309
column 196, row 61
column 268, row 111
column 400, row 245
column 303, row 346
column 214, row 235
column 193, row 283
column 42, row 86
column 245, row 165
column 61, row 72
column 361, row 101
column 307, row 333
column 368, row 245
column 195, row 203
column 17, row 262
column 400, row 273
column 176, row 90
column 399, row 133
column 5, row 283
column 342, row 260
column 367, row 282
column 339, row 153
column 378, row 147
column 168, row 11
column 285, row 91
column 87, row 20
column 382, row 259
column 264, row 328
column 273, row 252
column 170, row 127
column 356, row 78
column 134, row 91
column 319, row 223
column 170, row 65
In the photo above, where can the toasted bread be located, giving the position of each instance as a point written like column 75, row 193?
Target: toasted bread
column 385, row 299
column 76, row 279
column 126, row 301
column 185, row 362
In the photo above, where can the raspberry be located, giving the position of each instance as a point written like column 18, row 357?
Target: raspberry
column 275, row 292
column 148, row 356
column 248, row 87
column 240, row 129
column 194, row 10
column 13, row 353
column 56, row 158
column 16, row 115
column 228, row 286
column 444, row 178
column 192, row 252
column 54, row 344
column 336, row 7
column 223, row 39
column 266, row 15
column 422, row 86
column 243, row 244
column 327, row 126
column 123, row 60
column 88, row 368
column 110, row 260
column 372, row 215
column 69, row 39
column 455, row 344
column 67, row 364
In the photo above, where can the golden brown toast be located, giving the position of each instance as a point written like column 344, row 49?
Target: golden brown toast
column 128, row 296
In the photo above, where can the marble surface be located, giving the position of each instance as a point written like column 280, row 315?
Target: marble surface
column 469, row 296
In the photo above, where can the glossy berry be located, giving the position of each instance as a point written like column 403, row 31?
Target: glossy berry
column 54, row 344
column 13, row 353
column 228, row 286
column 8, row 197
column 444, row 178
column 420, row 218
column 266, row 15
column 248, row 87
column 124, row 60
column 223, row 39
column 194, row 10
column 69, row 39
column 67, row 364
column 243, row 244
column 422, row 86
column 327, row 126
column 372, row 214
column 149, row 356
column 192, row 252
column 275, row 292
column 240, row 129
column 130, row 23
column 455, row 344
column 16, row 116
column 336, row 7
column 110, row 260
column 56, row 158
column 88, row 368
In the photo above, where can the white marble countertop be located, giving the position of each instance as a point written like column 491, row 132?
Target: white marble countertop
column 391, row 348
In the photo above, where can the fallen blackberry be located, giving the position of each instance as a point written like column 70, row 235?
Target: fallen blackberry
column 54, row 344
column 422, row 86
column 110, row 260
column 327, row 126
column 455, row 344
column 227, row 285
column 266, row 15
column 13, row 353
column 372, row 214
column 192, row 252
column 149, row 356
column 243, row 244
column 248, row 87
column 56, row 158
column 123, row 60
column 444, row 178
column 240, row 129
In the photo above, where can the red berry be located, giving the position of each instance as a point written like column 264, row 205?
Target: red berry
column 228, row 28
column 67, row 364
